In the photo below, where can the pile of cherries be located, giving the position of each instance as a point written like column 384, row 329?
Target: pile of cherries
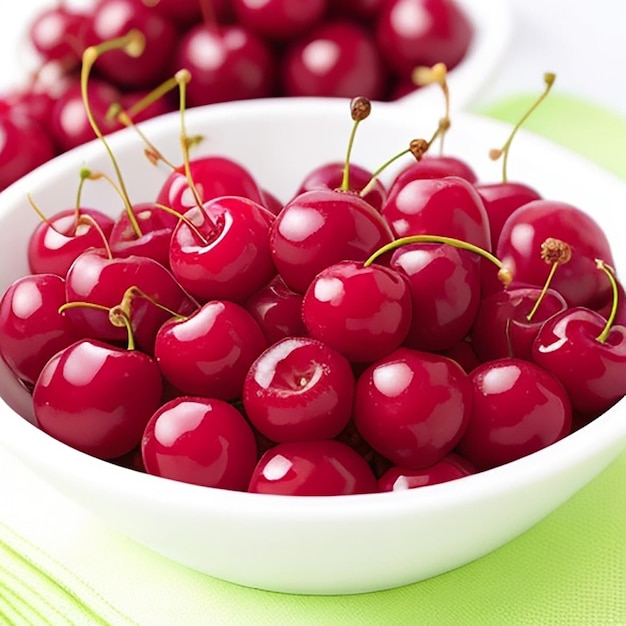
column 235, row 49
column 360, row 338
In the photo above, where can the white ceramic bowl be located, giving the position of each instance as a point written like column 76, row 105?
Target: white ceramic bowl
column 321, row 545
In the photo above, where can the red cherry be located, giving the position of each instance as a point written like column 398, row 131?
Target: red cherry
column 434, row 167
column 97, row 398
column 518, row 408
column 226, row 255
column 364, row 312
column 413, row 407
column 227, row 62
column 210, row 352
column 451, row 467
column 336, row 59
column 321, row 227
column 590, row 362
column 32, row 328
column 56, row 242
column 116, row 18
column 200, row 441
column 444, row 283
column 312, row 468
column 279, row 19
column 299, row 389
column 412, row 33
column 578, row 281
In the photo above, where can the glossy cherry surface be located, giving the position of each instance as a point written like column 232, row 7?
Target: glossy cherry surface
column 364, row 312
column 299, row 389
column 209, row 352
column 97, row 398
column 413, row 407
column 434, row 166
column 518, row 408
column 202, row 441
column 312, row 468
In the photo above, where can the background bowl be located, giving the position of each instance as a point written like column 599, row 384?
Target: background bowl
column 331, row 545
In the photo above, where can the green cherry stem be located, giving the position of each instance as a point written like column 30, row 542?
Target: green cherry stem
column 360, row 108
column 135, row 292
column 503, row 152
column 504, row 274
column 438, row 73
column 87, row 219
column 610, row 273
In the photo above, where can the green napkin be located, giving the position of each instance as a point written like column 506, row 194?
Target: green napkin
column 570, row 569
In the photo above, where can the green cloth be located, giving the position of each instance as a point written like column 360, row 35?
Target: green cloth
column 570, row 569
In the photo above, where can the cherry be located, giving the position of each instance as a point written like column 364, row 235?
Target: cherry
column 97, row 398
column 444, row 283
column 299, row 389
column 412, row 33
column 112, row 19
column 413, row 406
column 330, row 176
column 357, row 9
column 24, row 145
column 518, row 408
column 183, row 12
column 226, row 254
column 451, row 467
column 448, row 206
column 209, row 352
column 363, row 311
column 337, row 59
column 203, row 441
column 227, row 62
column 312, row 468
column 277, row 310
column 430, row 166
column 279, row 19
column 33, row 330
column 57, row 241
column 529, row 226
column 587, row 353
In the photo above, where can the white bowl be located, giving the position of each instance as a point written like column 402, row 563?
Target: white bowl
column 314, row 545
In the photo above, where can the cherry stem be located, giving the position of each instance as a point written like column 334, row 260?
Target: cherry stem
column 183, row 77
column 135, row 292
column 88, row 219
column 503, row 152
column 133, row 44
column 120, row 318
column 438, row 73
column 39, row 212
column 557, row 253
column 610, row 272
column 504, row 273
column 209, row 18
column 360, row 108
column 183, row 218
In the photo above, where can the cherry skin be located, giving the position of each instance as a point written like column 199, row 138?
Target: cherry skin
column 116, row 18
column 501, row 200
column 33, row 330
column 312, row 468
column 444, row 284
column 578, row 281
column 451, row 467
column 97, row 398
column 336, row 59
column 411, row 33
column 277, row 310
column 321, row 227
column 330, row 176
column 518, row 408
column 209, row 352
column 591, row 369
column 502, row 327
column 357, row 9
column 364, row 312
column 202, row 441
column 299, row 389
column 24, row 145
column 279, row 19
column 95, row 278
column 448, row 206
column 430, row 166
column 413, row 407
column 56, row 242
column 227, row 62
column 227, row 255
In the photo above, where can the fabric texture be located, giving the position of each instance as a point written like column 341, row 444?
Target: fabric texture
column 570, row 569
